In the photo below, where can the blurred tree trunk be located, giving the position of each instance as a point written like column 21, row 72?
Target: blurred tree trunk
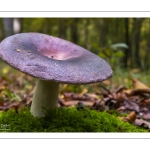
column 8, row 26
column 74, row 30
column 147, row 56
column 86, row 31
column 102, row 32
column 17, row 25
column 2, row 32
column 127, row 41
column 62, row 28
column 47, row 26
column 136, row 31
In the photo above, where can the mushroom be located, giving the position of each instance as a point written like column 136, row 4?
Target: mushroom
column 52, row 61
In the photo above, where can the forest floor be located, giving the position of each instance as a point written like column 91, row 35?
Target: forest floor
column 127, row 92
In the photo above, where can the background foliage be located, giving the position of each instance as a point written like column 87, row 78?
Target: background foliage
column 132, row 36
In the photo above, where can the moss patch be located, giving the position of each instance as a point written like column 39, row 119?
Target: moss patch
column 64, row 120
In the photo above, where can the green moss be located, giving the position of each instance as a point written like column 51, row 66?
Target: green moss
column 116, row 113
column 64, row 120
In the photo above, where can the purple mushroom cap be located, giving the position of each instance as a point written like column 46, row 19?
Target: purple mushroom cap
column 50, row 58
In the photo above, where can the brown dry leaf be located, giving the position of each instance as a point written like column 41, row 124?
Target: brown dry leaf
column 10, row 106
column 146, row 102
column 61, row 102
column 120, row 89
column 138, row 85
column 92, row 96
column 127, row 91
column 75, row 102
column 138, row 91
column 70, row 103
column 146, row 115
column 142, row 123
column 76, row 96
column 2, row 88
column 1, row 102
column 118, row 96
column 128, row 104
column 107, row 82
column 130, row 118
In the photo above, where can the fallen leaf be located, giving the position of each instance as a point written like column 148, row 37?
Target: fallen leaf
column 75, row 102
column 142, row 123
column 130, row 118
column 1, row 102
column 120, row 89
column 12, row 105
column 138, row 85
column 106, row 82
column 81, row 97
column 146, row 115
column 131, row 105
column 138, row 91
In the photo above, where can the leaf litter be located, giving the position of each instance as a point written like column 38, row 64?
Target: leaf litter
column 16, row 91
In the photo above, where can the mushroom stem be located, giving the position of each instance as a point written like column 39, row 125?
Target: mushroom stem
column 45, row 96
